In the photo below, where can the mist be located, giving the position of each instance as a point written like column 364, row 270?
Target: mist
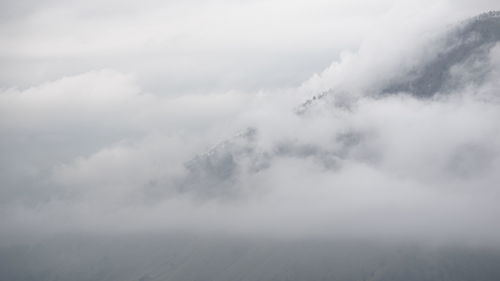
column 270, row 121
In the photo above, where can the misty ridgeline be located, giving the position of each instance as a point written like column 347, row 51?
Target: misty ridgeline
column 383, row 167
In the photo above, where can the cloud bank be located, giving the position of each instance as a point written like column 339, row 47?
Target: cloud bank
column 374, row 146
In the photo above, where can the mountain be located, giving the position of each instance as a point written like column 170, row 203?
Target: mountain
column 461, row 60
column 468, row 44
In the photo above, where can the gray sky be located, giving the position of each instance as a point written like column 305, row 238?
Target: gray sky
column 103, row 105
column 176, row 47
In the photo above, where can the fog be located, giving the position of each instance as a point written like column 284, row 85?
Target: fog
column 272, row 120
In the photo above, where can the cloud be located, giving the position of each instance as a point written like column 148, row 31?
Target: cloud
column 97, row 152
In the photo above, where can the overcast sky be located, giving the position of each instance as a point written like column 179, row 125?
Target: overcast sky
column 157, row 116
column 174, row 47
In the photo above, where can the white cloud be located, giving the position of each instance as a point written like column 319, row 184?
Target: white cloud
column 115, row 157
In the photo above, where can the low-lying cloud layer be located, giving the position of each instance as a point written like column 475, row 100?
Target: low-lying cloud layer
column 398, row 139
